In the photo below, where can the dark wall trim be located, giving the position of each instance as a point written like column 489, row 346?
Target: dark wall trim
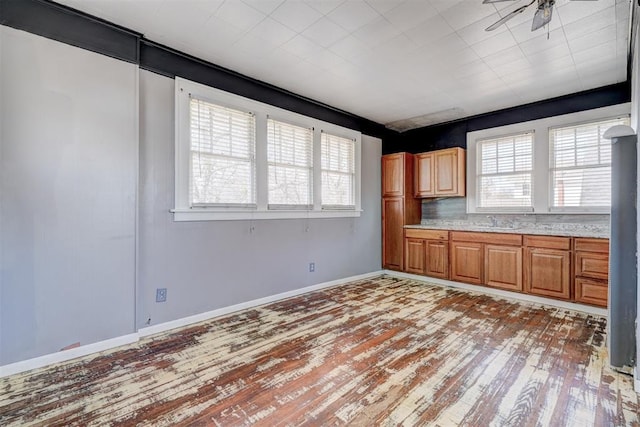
column 454, row 134
column 70, row 26
column 57, row 22
column 171, row 63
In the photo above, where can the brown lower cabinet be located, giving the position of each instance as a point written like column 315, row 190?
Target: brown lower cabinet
column 427, row 253
column 566, row 268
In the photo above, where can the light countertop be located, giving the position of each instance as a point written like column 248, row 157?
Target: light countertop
column 560, row 229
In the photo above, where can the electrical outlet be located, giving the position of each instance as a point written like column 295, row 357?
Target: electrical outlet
column 312, row 267
column 161, row 295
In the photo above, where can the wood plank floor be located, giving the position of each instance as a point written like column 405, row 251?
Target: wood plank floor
column 383, row 351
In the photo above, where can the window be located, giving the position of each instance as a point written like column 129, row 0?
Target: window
column 558, row 164
column 236, row 158
column 290, row 159
column 505, row 169
column 580, row 165
column 338, row 172
column 222, row 155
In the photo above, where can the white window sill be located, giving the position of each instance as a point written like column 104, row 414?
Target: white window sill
column 180, row 215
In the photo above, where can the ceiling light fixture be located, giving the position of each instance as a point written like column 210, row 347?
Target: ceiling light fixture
column 542, row 17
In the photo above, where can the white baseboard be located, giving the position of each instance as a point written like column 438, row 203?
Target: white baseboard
column 163, row 327
column 506, row 294
column 64, row 355
column 636, row 384
column 85, row 350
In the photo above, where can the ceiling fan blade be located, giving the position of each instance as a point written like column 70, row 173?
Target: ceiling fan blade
column 542, row 17
column 508, row 16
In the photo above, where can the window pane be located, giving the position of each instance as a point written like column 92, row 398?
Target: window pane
column 222, row 169
column 290, row 157
column 338, row 171
column 580, row 165
column 505, row 176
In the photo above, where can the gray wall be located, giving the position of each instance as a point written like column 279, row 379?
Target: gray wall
column 208, row 265
column 68, row 170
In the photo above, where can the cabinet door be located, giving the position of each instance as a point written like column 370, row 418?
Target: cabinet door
column 466, row 262
column 437, row 263
column 424, row 174
column 592, row 291
column 449, row 172
column 593, row 265
column 393, row 175
column 503, row 267
column 392, row 232
column 414, row 253
column 547, row 272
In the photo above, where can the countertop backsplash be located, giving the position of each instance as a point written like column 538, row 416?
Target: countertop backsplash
column 451, row 213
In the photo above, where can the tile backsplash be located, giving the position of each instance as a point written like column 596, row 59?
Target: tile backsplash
column 454, row 208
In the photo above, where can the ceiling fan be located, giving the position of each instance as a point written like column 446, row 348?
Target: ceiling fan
column 541, row 18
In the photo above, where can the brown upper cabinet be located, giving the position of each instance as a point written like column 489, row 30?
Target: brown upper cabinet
column 397, row 173
column 440, row 173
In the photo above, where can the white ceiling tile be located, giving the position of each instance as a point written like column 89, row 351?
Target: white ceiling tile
column 376, row 32
column 600, row 54
column 296, row 15
column 301, row 46
column 447, row 45
column 350, row 47
column 589, row 24
column 429, row 31
column 497, row 43
column 504, row 57
column 383, row 6
column 512, row 67
column 272, row 32
column 239, row 14
column 219, row 33
column 444, row 5
column 324, row 32
column 576, row 10
column 587, row 41
column 264, row 6
column 410, row 13
column 462, row 14
column 476, row 33
column 322, row 6
column 522, row 32
column 544, row 42
column 352, row 15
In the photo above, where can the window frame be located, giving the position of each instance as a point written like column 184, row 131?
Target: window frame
column 327, row 206
column 183, row 211
column 511, row 209
column 541, row 184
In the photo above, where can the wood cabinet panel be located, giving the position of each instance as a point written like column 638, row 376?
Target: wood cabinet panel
column 549, row 242
column 466, row 262
column 591, row 292
column 414, row 255
column 592, row 265
column 437, row 263
column 503, row 267
column 449, row 176
column 547, row 272
column 393, row 175
column 490, row 238
column 424, row 175
column 426, row 234
column 591, row 245
column 392, row 232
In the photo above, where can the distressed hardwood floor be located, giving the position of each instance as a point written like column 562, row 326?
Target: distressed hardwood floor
column 383, row 351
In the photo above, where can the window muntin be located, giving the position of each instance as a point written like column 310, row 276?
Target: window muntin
column 338, row 172
column 222, row 161
column 580, row 165
column 290, row 165
column 505, row 172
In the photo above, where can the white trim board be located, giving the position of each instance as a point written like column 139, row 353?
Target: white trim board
column 498, row 292
column 85, row 350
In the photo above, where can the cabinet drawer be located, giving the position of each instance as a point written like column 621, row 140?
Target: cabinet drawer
column 592, row 264
column 548, row 242
column 592, row 245
column 426, row 234
column 591, row 292
column 490, row 238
